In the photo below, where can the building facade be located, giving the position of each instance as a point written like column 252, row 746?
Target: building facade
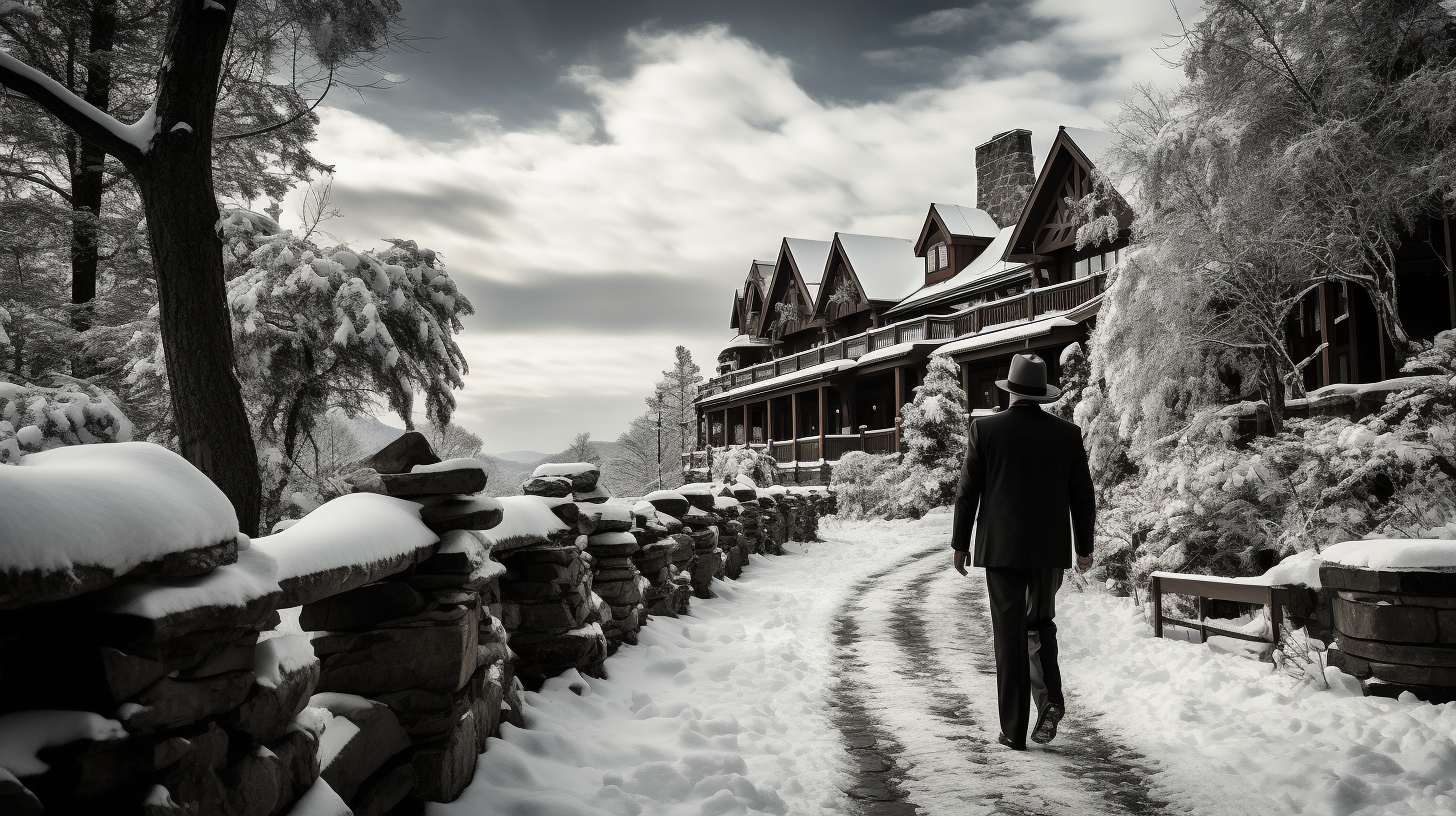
column 833, row 336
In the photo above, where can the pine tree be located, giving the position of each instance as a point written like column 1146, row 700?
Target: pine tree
column 933, row 436
column 653, row 445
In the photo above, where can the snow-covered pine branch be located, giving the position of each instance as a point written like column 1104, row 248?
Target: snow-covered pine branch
column 35, row 418
column 314, row 326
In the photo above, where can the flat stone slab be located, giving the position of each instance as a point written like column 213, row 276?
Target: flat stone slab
column 438, row 657
column 399, row 456
column 377, row 739
column 463, row 514
column 553, row 487
column 408, row 485
column 362, row 607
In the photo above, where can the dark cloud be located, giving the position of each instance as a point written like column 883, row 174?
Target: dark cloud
column 618, row 304
column 507, row 59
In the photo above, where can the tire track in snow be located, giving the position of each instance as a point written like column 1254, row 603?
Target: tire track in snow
column 917, row 688
column 878, row 780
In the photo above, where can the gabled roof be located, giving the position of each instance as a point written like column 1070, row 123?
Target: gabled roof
column 764, row 270
column 800, row 264
column 736, row 321
column 1073, row 149
column 886, row 269
column 987, row 266
column 956, row 222
column 809, row 258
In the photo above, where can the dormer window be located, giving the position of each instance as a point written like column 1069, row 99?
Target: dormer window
column 937, row 258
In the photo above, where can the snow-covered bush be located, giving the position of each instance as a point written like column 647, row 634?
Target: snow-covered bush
column 758, row 465
column 35, row 418
column 1199, row 501
column 867, row 485
column 933, row 438
column 1076, row 376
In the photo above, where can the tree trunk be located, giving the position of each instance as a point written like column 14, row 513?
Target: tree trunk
column 175, row 182
column 86, row 175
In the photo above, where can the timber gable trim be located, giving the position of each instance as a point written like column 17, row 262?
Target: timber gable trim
column 1046, row 223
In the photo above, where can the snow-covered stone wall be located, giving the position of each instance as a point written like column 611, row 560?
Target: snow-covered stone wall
column 153, row 660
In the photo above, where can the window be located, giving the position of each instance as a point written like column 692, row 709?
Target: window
column 1081, row 269
column 937, row 257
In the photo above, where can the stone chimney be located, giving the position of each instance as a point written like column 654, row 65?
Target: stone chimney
column 1004, row 175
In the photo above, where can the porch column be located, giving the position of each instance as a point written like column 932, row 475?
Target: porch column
column 747, row 426
column 1326, row 333
column 768, row 423
column 899, row 401
column 821, row 423
column 794, row 427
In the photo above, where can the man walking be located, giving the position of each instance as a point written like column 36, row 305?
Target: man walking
column 1026, row 472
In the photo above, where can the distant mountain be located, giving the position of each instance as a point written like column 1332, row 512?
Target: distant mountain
column 370, row 433
column 525, row 457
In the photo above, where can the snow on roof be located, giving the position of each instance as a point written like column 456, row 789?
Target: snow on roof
column 1096, row 145
column 784, row 379
column 116, row 505
column 966, row 221
column 1013, row 331
column 354, row 529
column 748, row 340
column 810, row 256
column 897, row 350
column 887, row 268
column 986, row 265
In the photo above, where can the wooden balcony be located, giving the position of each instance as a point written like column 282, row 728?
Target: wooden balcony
column 973, row 320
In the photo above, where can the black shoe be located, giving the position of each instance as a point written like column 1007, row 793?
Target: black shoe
column 1046, row 724
column 1006, row 741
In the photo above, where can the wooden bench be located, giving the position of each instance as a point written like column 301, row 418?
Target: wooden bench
column 1207, row 588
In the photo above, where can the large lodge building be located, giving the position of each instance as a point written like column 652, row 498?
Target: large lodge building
column 833, row 336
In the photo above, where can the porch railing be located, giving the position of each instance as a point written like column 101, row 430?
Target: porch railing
column 971, row 320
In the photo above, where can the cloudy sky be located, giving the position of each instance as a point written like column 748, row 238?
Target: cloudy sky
column 599, row 175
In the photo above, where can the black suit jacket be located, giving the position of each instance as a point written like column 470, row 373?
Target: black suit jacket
column 1026, row 472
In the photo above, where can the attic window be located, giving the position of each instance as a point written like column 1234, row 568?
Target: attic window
column 937, row 258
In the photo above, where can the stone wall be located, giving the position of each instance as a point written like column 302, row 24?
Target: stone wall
column 358, row 659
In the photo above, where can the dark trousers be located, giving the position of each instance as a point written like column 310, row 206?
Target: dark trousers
column 1023, row 603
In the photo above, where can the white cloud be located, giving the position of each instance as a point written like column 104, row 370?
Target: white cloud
column 945, row 21
column 696, row 162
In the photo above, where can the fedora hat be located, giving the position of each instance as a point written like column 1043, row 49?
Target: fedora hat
column 1028, row 380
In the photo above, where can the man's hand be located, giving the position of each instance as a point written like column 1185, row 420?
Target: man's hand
column 960, row 562
column 1084, row 563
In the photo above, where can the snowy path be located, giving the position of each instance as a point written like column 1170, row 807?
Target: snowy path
column 854, row 676
column 917, row 689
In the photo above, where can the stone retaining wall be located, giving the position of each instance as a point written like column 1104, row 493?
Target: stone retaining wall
column 358, row 660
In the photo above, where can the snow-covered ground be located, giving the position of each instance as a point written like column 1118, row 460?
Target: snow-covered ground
column 731, row 710
column 1226, row 734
